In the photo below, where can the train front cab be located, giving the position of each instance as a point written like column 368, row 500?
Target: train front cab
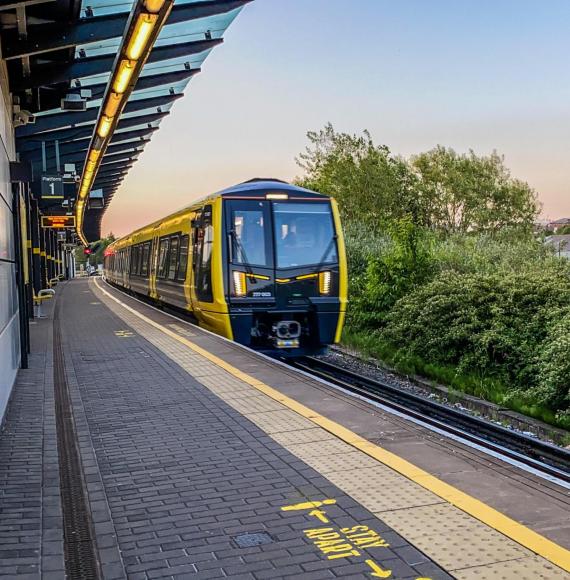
column 285, row 270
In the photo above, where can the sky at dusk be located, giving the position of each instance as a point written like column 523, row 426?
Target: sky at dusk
column 481, row 74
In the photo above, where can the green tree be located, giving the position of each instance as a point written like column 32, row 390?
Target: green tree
column 371, row 186
column 440, row 189
column 472, row 193
column 97, row 257
column 99, row 248
column 403, row 264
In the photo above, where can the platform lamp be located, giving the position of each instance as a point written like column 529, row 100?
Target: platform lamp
column 142, row 29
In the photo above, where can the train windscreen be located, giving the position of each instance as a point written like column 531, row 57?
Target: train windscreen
column 304, row 234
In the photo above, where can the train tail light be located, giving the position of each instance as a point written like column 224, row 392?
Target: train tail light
column 240, row 285
column 325, row 283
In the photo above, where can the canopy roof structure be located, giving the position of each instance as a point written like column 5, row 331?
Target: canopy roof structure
column 67, row 49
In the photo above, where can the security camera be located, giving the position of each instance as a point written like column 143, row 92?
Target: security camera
column 73, row 102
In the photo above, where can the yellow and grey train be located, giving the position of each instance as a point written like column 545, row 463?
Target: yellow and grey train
column 262, row 263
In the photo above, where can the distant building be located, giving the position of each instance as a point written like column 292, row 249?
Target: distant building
column 561, row 245
column 557, row 224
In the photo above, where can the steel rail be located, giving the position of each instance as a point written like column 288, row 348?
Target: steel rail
column 540, row 455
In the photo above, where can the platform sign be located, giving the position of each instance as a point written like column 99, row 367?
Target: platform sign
column 58, row 221
column 52, row 186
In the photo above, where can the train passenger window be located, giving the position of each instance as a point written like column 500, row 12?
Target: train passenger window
column 173, row 259
column 183, row 258
column 135, row 250
column 144, row 259
column 163, row 257
column 138, row 256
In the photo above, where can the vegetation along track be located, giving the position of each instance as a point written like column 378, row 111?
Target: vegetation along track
column 543, row 457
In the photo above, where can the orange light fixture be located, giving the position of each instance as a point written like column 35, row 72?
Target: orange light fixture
column 142, row 31
column 153, row 5
column 113, row 103
column 124, row 74
column 104, row 126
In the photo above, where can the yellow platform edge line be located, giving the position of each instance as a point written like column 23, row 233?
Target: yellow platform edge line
column 491, row 517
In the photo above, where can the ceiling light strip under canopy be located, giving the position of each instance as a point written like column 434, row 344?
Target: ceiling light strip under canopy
column 143, row 26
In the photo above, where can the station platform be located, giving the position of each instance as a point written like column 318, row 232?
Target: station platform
column 139, row 446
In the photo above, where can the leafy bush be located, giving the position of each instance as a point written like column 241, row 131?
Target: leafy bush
column 553, row 388
column 403, row 262
column 506, row 251
column 491, row 325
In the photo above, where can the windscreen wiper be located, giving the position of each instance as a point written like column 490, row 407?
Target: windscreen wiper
column 321, row 262
column 245, row 262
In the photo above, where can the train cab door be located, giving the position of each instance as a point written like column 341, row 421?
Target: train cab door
column 251, row 270
column 202, row 291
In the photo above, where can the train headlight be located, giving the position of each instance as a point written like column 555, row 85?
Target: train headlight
column 240, row 285
column 325, row 282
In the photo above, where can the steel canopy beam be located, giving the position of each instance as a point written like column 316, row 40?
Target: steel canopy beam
column 11, row 4
column 51, row 74
column 60, row 120
column 117, row 169
column 111, row 150
column 48, row 37
column 149, row 81
column 120, row 172
column 82, row 144
column 31, row 142
column 99, row 183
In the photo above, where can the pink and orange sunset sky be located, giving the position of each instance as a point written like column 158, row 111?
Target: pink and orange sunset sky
column 482, row 74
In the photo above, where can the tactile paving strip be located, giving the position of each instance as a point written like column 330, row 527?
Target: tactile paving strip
column 524, row 569
column 321, row 448
column 303, row 436
column 379, row 489
column 452, row 538
column 259, row 404
column 280, row 421
column 339, row 462
column 446, row 534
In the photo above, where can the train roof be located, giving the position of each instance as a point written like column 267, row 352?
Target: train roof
column 265, row 185
column 257, row 186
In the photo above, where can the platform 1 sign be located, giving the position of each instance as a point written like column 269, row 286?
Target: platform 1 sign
column 52, row 186
column 58, row 221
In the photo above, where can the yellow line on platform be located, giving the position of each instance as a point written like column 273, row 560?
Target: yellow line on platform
column 470, row 505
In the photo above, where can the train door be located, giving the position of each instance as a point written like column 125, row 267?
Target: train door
column 202, row 245
column 206, row 288
column 251, row 268
column 153, row 266
column 171, row 272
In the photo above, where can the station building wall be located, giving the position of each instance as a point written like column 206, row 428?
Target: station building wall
column 9, row 315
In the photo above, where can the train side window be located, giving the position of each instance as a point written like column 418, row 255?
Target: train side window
column 163, row 257
column 203, row 253
column 138, row 260
column 183, row 258
column 134, row 260
column 144, row 259
column 173, row 257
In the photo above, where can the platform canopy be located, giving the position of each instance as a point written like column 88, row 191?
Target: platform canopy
column 57, row 49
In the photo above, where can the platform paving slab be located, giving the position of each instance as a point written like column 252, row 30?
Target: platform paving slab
column 153, row 329
column 189, row 485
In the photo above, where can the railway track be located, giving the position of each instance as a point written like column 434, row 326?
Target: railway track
column 547, row 459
